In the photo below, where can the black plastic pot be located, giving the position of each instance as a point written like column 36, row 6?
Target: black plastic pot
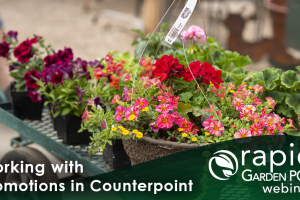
column 67, row 129
column 23, row 107
column 115, row 156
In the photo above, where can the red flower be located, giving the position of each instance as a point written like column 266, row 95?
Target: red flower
column 23, row 52
column 30, row 78
column 203, row 73
column 65, row 56
column 35, row 96
column 167, row 66
column 115, row 82
column 98, row 73
column 49, row 60
column 57, row 78
column 4, row 49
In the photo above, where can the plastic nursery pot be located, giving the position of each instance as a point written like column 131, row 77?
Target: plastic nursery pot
column 149, row 149
column 67, row 129
column 115, row 156
column 23, row 107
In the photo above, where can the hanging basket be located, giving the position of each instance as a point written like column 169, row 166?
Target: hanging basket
column 149, row 149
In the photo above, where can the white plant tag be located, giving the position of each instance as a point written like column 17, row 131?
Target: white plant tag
column 181, row 21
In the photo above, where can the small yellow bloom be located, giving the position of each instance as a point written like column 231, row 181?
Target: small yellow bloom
column 180, row 129
column 244, row 83
column 120, row 127
column 250, row 88
column 131, row 117
column 194, row 139
column 139, row 135
column 231, row 91
column 125, row 119
column 207, row 133
column 211, row 84
column 208, row 90
column 114, row 129
column 135, row 131
column 184, row 135
column 125, row 132
column 145, row 109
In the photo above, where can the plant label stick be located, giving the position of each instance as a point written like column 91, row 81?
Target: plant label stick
column 181, row 21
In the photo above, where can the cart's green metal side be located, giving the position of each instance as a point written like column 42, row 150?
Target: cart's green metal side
column 43, row 134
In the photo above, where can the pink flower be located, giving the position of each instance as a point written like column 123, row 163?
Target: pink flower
column 242, row 87
column 116, row 99
column 250, row 108
column 185, row 125
column 141, row 103
column 256, row 100
column 263, row 111
column 245, row 114
column 231, row 86
column 194, row 33
column 163, row 99
column 85, row 114
column 291, row 124
column 145, row 81
column 132, row 111
column 256, row 119
column 240, row 94
column 238, row 103
column 256, row 129
column 211, row 109
column 164, row 108
column 176, row 117
column 257, row 88
column 233, row 126
column 164, row 121
column 243, row 133
column 155, row 82
column 125, row 94
column 207, row 123
column 154, row 127
column 270, row 103
column 270, row 123
column 270, row 131
column 128, row 77
column 195, row 129
column 218, row 90
column 119, row 113
column 221, row 96
column 174, row 102
column 216, row 128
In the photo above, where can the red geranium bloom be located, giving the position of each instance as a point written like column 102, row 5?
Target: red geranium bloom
column 115, row 82
column 49, row 60
column 167, row 66
column 57, row 78
column 4, row 49
column 23, row 52
column 30, row 78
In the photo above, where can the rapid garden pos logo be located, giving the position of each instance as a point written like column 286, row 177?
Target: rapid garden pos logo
column 222, row 160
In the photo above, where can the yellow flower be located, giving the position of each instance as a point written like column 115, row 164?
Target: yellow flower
column 208, row 90
column 250, row 88
column 211, row 84
column 244, row 83
column 139, row 135
column 145, row 109
column 125, row 132
column 207, row 133
column 184, row 135
column 135, row 131
column 180, row 129
column 194, row 139
column 114, row 129
column 232, row 91
column 120, row 127
column 125, row 119
column 131, row 117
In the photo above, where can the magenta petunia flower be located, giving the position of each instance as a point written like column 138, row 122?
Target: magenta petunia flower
column 216, row 128
column 270, row 103
column 163, row 99
column 154, row 127
column 85, row 114
column 4, row 49
column 221, row 96
column 141, row 103
column 116, row 99
column 35, row 96
column 51, row 59
column 256, row 100
column 174, row 102
column 176, row 117
column 31, row 78
column 211, row 109
column 256, row 129
column 238, row 103
column 57, row 78
column 243, row 133
column 132, row 111
column 291, row 124
column 128, row 77
column 125, row 92
column 80, row 92
column 245, row 114
column 185, row 125
column 270, row 131
column 120, row 110
column 207, row 122
column 242, row 87
column 165, row 121
column 164, row 108
column 257, row 88
column 24, row 52
column 250, row 108
column 12, row 36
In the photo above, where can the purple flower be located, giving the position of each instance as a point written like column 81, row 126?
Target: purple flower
column 35, row 96
column 65, row 56
column 81, row 68
column 96, row 64
column 154, row 127
column 80, row 92
column 50, row 60
column 96, row 101
column 14, row 66
column 12, row 36
column 4, row 49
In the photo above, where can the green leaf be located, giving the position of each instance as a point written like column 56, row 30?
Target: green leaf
column 276, row 95
column 184, row 109
column 139, row 48
column 298, row 68
column 293, row 133
column 185, row 96
column 138, row 32
column 56, row 113
column 290, row 79
column 65, row 111
column 241, row 61
column 284, row 109
column 164, row 26
column 293, row 101
column 267, row 78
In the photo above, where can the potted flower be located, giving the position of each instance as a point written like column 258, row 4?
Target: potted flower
column 25, row 65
